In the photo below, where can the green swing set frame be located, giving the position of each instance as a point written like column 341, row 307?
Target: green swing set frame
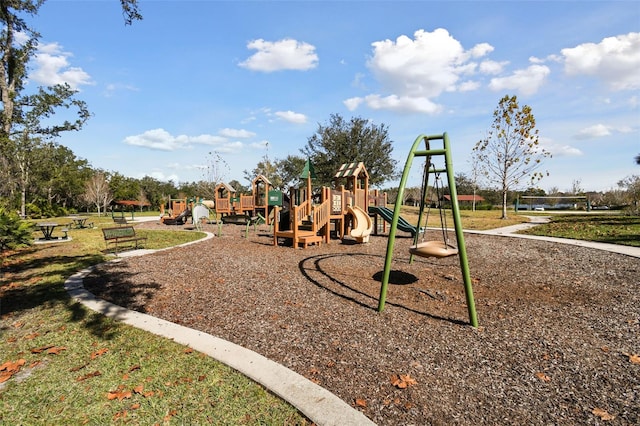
column 461, row 250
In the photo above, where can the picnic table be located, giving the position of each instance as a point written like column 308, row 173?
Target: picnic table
column 79, row 222
column 47, row 229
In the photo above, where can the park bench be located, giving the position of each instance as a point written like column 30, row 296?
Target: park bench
column 121, row 235
column 120, row 220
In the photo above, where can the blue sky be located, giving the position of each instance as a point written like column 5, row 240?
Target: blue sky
column 247, row 79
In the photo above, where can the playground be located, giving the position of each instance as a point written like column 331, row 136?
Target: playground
column 558, row 324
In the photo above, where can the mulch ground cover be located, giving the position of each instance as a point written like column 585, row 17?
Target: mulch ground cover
column 558, row 341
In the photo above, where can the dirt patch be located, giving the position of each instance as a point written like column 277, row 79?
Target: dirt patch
column 557, row 323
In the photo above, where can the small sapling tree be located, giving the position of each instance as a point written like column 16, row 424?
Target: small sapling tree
column 511, row 155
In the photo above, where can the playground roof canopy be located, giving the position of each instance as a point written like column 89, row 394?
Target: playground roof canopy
column 223, row 185
column 308, row 171
column 262, row 178
column 351, row 170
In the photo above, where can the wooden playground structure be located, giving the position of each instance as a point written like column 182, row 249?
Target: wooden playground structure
column 344, row 207
column 240, row 208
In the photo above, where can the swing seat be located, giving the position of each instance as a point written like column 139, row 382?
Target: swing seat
column 433, row 249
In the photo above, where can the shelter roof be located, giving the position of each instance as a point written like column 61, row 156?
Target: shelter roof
column 466, row 197
column 132, row 203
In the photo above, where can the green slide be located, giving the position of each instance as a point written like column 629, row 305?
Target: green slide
column 387, row 214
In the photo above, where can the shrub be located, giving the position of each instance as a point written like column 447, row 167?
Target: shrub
column 14, row 232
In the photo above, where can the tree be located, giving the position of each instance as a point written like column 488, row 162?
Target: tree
column 266, row 168
column 23, row 117
column 97, row 192
column 638, row 159
column 342, row 141
column 511, row 152
column 632, row 186
column 288, row 171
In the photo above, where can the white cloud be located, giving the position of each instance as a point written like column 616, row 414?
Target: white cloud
column 595, row 131
column 112, row 88
column 526, row 81
column 397, row 103
column 414, row 71
column 425, row 66
column 557, row 150
column 160, row 139
column 158, row 175
column 260, row 145
column 292, row 117
column 353, row 103
column 615, row 60
column 286, row 54
column 236, row 133
column 468, row 86
column 52, row 67
column 492, row 67
column 600, row 131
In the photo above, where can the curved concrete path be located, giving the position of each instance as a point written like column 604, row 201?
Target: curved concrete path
column 510, row 231
column 316, row 403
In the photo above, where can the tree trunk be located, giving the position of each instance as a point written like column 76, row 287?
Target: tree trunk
column 23, row 201
column 504, row 205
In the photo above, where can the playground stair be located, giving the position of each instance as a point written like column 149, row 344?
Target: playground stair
column 301, row 237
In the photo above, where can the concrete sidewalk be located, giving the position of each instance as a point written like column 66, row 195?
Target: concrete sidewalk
column 510, row 231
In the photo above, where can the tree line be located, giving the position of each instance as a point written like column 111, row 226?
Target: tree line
column 39, row 177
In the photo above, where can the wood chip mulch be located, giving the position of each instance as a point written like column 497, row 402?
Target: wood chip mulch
column 558, row 342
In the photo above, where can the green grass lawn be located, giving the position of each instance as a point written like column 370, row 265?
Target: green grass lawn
column 604, row 228
column 64, row 364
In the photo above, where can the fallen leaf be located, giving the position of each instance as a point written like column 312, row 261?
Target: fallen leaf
column 56, row 350
column 171, row 414
column 134, row 368
column 605, row 416
column 634, row 359
column 74, row 369
column 543, row 377
column 402, row 381
column 119, row 395
column 13, row 366
column 138, row 389
column 408, row 379
column 188, row 351
column 88, row 376
column 361, row 403
column 31, row 336
column 41, row 349
column 135, row 406
column 99, row 352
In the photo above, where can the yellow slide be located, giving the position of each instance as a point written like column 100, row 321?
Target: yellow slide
column 363, row 224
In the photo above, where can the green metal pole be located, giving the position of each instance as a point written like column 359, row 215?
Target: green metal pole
column 394, row 224
column 462, row 249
